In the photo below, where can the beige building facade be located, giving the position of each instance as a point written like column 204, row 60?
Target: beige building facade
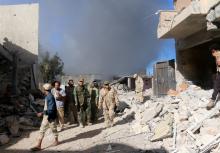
column 195, row 26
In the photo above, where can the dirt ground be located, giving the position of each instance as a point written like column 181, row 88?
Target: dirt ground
column 91, row 139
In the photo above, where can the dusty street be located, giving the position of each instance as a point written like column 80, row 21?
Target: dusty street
column 91, row 139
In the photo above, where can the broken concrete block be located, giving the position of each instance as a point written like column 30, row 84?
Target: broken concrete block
column 4, row 139
column 206, row 138
column 183, row 126
column 209, row 130
column 151, row 113
column 210, row 127
column 211, row 26
column 164, row 129
column 140, row 128
column 211, row 16
column 183, row 116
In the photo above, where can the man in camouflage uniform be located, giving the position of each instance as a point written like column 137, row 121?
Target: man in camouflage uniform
column 108, row 100
column 139, row 88
column 82, row 99
column 93, row 105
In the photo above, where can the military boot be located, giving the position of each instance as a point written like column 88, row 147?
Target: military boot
column 210, row 105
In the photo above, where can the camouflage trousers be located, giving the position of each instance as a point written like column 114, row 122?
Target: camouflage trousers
column 109, row 115
column 45, row 125
column 82, row 116
column 139, row 97
column 91, row 112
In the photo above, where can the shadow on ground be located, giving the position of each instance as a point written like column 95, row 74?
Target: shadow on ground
column 84, row 135
column 129, row 118
column 115, row 148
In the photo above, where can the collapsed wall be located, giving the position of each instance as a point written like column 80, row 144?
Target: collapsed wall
column 18, row 62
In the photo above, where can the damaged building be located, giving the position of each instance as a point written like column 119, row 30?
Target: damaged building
column 194, row 24
column 18, row 48
column 18, row 70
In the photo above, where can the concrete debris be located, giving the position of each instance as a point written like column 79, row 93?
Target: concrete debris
column 16, row 115
column 138, row 128
column 164, row 129
column 152, row 112
column 194, row 127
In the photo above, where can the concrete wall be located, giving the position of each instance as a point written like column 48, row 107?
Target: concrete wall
column 179, row 5
column 196, row 64
column 19, row 35
column 165, row 22
column 19, row 24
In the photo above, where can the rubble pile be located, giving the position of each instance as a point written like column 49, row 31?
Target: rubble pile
column 179, row 121
column 17, row 114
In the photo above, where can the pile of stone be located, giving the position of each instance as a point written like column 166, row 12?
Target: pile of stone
column 179, row 121
column 17, row 115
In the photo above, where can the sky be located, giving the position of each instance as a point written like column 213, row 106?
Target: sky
column 102, row 36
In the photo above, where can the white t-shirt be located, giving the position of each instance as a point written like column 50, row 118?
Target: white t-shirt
column 59, row 104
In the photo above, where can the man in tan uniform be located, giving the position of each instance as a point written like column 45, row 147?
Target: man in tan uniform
column 139, row 88
column 108, row 100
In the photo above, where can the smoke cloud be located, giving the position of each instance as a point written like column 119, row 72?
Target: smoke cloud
column 102, row 36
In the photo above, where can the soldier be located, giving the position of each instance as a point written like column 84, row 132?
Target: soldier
column 49, row 117
column 215, row 51
column 93, row 105
column 82, row 99
column 70, row 103
column 108, row 100
column 139, row 88
column 59, row 95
